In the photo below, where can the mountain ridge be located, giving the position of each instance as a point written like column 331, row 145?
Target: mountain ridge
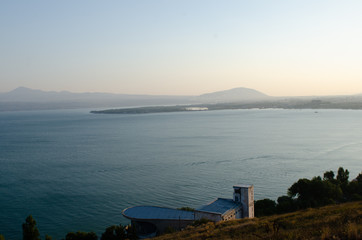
column 24, row 94
column 23, row 98
column 233, row 91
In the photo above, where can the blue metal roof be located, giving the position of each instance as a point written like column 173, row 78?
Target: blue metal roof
column 220, row 205
column 150, row 212
column 242, row 186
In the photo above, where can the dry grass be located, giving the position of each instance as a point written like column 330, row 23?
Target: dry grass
column 343, row 221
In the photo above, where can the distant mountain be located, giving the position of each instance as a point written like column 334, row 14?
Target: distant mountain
column 21, row 94
column 30, row 99
column 234, row 95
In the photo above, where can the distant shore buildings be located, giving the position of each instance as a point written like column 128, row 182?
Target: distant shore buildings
column 196, row 108
column 150, row 221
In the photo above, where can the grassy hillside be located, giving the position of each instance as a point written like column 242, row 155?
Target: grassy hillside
column 343, row 221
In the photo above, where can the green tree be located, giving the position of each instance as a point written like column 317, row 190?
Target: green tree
column 359, row 178
column 342, row 175
column 114, row 233
column 264, row 207
column 30, row 231
column 131, row 232
column 328, row 175
column 315, row 192
column 81, row 236
column 286, row 204
column 353, row 190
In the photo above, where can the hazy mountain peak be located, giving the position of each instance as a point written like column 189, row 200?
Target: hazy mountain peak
column 233, row 95
column 23, row 90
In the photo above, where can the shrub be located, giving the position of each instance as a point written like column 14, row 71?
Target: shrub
column 200, row 222
column 265, row 207
column 30, row 231
column 187, row 209
column 81, row 236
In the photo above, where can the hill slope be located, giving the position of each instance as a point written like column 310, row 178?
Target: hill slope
column 343, row 221
column 234, row 95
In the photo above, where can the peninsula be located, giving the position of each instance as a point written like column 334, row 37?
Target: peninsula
column 289, row 103
column 244, row 98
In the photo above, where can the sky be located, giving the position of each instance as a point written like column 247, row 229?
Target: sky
column 182, row 47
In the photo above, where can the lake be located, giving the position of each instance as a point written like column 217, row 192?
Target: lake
column 76, row 171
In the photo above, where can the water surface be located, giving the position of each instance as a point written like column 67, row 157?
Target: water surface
column 73, row 170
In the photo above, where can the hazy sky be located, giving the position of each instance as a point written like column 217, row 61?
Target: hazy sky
column 182, row 47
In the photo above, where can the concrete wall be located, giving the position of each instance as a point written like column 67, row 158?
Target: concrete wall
column 215, row 217
column 233, row 214
column 229, row 215
column 247, row 199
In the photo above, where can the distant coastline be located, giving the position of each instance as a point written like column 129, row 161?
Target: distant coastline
column 238, row 98
column 282, row 104
column 156, row 109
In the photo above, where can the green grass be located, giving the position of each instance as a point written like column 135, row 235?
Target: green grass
column 342, row 221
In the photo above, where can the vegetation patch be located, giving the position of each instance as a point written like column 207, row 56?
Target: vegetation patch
column 338, row 221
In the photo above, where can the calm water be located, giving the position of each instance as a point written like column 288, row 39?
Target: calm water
column 76, row 171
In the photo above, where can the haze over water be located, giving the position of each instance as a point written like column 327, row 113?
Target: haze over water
column 75, row 171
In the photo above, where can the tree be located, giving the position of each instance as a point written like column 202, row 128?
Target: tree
column 315, row 192
column 353, row 189
column 81, row 236
column 131, row 232
column 114, row 233
column 300, row 189
column 286, row 204
column 342, row 175
column 265, row 207
column 30, row 231
column 328, row 176
column 359, row 178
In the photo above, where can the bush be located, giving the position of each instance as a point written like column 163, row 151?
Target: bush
column 200, row 222
column 30, row 231
column 187, row 209
column 286, row 204
column 81, row 236
column 265, row 207
column 114, row 233
column 170, row 230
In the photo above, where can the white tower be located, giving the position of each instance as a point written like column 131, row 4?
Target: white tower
column 244, row 194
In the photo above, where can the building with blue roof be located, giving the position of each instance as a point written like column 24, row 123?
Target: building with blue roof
column 150, row 221
column 150, row 212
